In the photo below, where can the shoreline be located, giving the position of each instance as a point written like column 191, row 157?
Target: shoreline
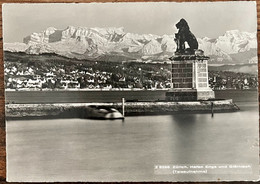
column 115, row 89
column 82, row 110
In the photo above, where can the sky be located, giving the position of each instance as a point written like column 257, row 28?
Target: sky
column 211, row 19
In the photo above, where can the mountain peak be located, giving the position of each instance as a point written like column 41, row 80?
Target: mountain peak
column 70, row 27
column 233, row 31
column 51, row 29
column 89, row 43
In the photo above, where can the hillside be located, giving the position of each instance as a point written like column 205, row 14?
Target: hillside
column 51, row 71
column 239, row 68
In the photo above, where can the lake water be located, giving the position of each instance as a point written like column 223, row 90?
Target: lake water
column 96, row 150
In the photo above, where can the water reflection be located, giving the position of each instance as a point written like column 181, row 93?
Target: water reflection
column 183, row 126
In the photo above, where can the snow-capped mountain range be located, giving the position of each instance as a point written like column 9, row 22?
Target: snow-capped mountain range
column 114, row 44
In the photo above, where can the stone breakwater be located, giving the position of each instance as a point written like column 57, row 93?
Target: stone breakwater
column 82, row 110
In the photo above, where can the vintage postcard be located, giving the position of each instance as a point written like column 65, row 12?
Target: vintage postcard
column 143, row 91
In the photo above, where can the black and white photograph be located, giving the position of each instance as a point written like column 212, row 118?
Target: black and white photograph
column 131, row 91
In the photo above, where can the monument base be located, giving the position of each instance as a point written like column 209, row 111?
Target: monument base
column 189, row 94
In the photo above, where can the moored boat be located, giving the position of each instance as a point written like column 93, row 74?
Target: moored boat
column 102, row 112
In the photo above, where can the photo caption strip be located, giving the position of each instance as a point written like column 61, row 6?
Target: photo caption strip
column 203, row 169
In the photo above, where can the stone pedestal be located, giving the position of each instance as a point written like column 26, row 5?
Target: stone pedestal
column 190, row 79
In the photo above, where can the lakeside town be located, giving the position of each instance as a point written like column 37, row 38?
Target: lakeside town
column 92, row 75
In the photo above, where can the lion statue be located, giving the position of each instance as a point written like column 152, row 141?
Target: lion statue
column 185, row 35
